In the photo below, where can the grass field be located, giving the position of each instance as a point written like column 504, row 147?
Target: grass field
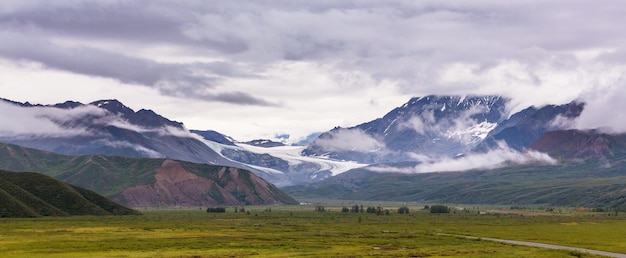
column 299, row 231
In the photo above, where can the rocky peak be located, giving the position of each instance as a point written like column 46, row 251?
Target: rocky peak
column 114, row 106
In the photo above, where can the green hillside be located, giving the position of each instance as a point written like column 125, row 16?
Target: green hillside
column 28, row 194
column 110, row 176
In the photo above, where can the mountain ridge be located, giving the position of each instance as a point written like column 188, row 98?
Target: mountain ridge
column 28, row 194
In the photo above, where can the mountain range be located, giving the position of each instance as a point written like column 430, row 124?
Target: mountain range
column 589, row 170
column 148, row 182
column 426, row 134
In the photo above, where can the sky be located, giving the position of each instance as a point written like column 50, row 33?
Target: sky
column 262, row 69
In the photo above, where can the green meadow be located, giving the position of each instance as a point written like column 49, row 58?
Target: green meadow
column 301, row 231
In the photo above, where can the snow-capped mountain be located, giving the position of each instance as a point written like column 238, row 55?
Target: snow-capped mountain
column 423, row 129
column 429, row 126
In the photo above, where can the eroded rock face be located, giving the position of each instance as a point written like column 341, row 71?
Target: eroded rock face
column 175, row 186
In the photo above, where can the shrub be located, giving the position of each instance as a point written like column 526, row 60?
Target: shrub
column 439, row 209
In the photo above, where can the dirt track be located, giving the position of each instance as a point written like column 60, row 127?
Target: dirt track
column 541, row 245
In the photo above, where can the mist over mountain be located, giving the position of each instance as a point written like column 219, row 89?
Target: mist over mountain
column 105, row 127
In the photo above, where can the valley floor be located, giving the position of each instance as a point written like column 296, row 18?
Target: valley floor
column 300, row 231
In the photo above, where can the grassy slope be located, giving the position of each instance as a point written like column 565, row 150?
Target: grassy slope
column 106, row 175
column 586, row 184
column 27, row 194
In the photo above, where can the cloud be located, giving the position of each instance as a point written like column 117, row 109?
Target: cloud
column 410, row 41
column 561, row 122
column 501, row 157
column 349, row 140
column 42, row 121
column 536, row 52
column 605, row 109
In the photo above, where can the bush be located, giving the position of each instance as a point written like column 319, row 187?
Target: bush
column 403, row 210
column 439, row 209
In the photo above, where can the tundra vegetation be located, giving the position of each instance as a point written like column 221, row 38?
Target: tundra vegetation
column 303, row 231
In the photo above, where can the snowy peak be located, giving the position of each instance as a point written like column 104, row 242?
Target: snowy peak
column 484, row 107
column 431, row 125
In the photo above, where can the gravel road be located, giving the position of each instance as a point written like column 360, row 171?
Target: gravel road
column 560, row 247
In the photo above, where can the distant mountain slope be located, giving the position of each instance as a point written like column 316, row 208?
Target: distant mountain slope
column 527, row 126
column 148, row 182
column 588, row 184
column 214, row 136
column 27, row 194
column 581, row 145
column 431, row 126
column 264, row 143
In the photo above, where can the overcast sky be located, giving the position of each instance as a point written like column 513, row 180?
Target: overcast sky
column 257, row 69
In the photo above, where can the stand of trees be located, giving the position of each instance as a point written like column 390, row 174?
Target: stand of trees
column 216, row 210
column 439, row 209
column 403, row 210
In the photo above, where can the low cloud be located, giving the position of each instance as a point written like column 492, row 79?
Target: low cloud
column 350, row 140
column 561, row 122
column 501, row 157
column 42, row 121
column 47, row 121
column 122, row 144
